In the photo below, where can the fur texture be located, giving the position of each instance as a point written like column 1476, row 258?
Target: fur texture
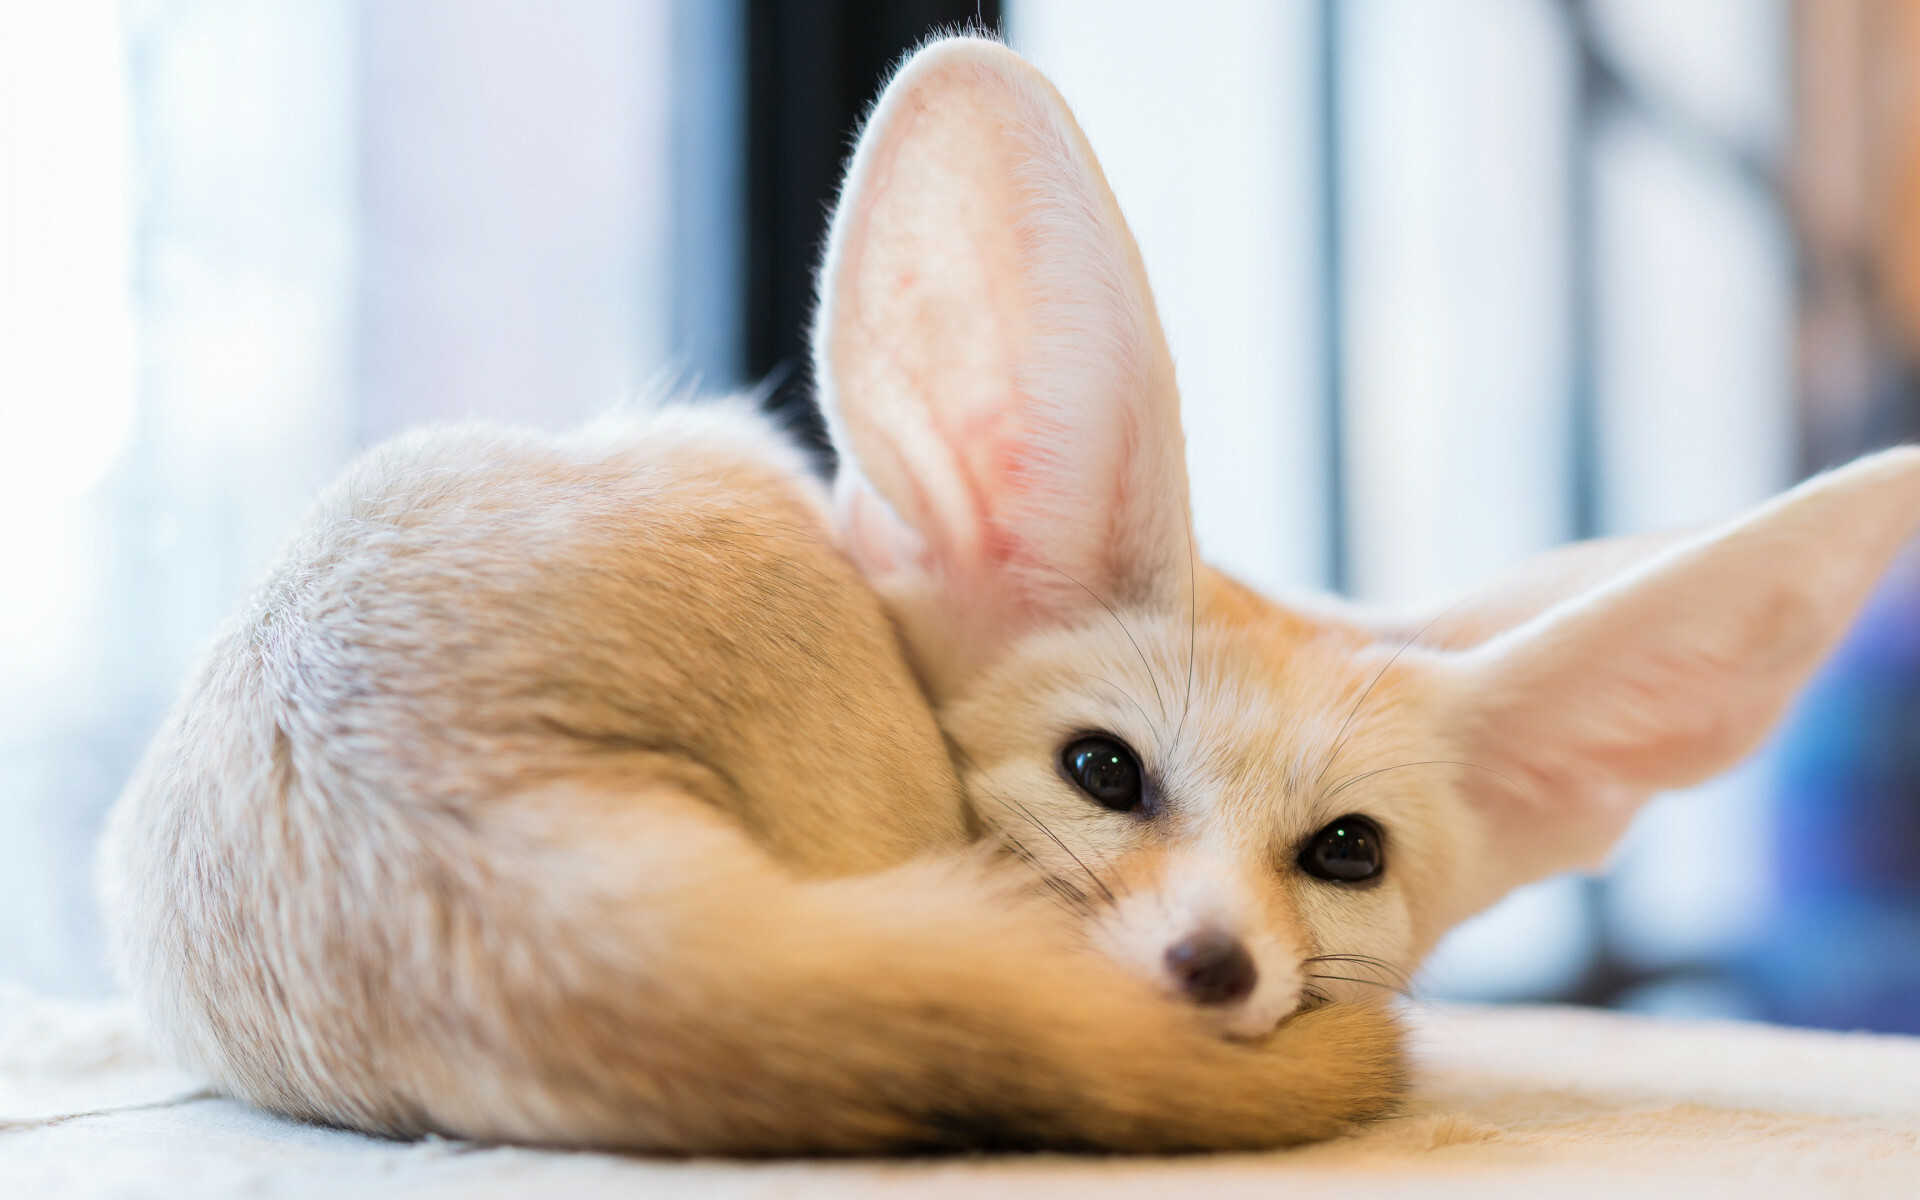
column 565, row 792
column 622, row 790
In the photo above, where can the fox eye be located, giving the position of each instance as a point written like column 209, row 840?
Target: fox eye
column 1106, row 771
column 1350, row 850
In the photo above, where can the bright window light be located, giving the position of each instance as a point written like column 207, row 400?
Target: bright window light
column 66, row 331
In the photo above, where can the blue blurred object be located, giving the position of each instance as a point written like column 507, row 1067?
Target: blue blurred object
column 1842, row 950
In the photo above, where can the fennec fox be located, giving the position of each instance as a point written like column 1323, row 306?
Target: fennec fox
column 624, row 789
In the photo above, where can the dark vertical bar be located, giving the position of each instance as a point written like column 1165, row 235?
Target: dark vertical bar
column 794, row 114
column 813, row 67
column 1592, row 87
column 1333, row 294
column 709, row 191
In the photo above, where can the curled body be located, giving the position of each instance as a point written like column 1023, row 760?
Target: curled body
column 631, row 789
column 578, row 791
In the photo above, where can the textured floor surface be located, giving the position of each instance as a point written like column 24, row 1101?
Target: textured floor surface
column 1510, row 1102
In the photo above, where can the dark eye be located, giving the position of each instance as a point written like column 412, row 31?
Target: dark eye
column 1107, row 771
column 1350, row 850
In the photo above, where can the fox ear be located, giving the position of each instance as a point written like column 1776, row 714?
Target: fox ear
column 1518, row 595
column 1667, row 673
column 992, row 369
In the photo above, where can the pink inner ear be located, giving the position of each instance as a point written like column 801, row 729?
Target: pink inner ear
column 997, row 436
column 991, row 358
column 1029, row 513
column 1001, row 448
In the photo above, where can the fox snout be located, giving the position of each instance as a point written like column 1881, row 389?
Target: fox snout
column 1212, row 967
column 1188, row 929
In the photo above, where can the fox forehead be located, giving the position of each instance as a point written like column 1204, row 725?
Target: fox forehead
column 1249, row 716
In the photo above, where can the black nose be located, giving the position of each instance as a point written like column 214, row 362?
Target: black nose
column 1213, row 967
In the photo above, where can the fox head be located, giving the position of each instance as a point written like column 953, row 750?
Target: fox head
column 1257, row 806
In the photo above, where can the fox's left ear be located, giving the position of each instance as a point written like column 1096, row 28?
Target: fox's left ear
column 1665, row 674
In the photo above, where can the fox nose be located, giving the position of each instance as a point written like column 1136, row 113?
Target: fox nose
column 1212, row 967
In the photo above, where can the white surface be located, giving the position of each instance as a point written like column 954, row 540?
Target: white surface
column 1509, row 1102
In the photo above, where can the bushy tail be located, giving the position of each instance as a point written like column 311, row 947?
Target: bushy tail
column 615, row 971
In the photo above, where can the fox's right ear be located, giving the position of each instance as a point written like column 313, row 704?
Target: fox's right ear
column 992, row 368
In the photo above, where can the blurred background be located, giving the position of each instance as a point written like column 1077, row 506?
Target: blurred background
column 1447, row 282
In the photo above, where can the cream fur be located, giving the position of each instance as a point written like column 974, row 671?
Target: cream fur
column 575, row 791
column 618, row 790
